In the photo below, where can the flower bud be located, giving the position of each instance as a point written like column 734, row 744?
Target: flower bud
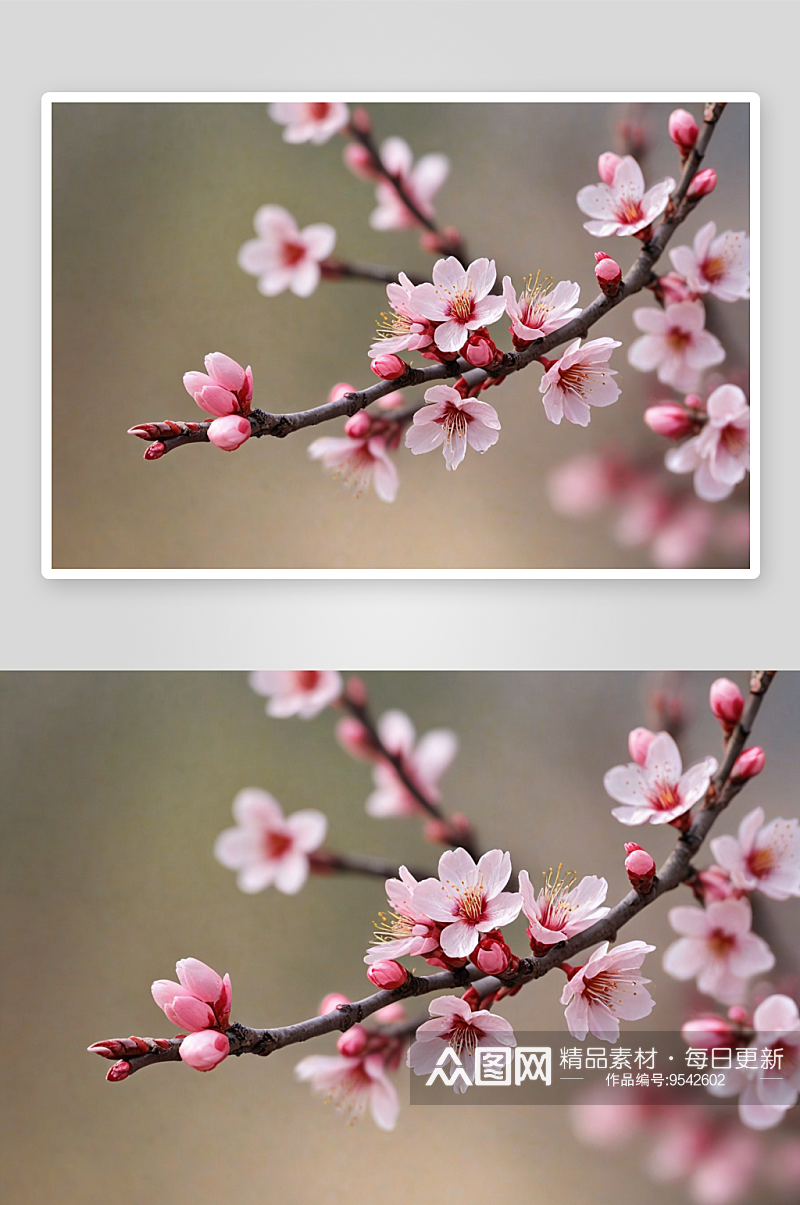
column 353, row 1043
column 339, row 390
column 360, row 121
column 709, row 1032
column 358, row 425
column 607, row 164
column 155, row 451
column 229, row 433
column 713, row 884
column 479, row 350
column 641, row 869
column 609, row 276
column 204, row 1050
column 491, row 957
column 669, row 419
column 694, row 401
column 727, row 703
column 355, row 740
column 331, row 1002
column 739, row 1015
column 703, row 183
column 359, row 160
column 748, row 764
column 118, row 1072
column 388, row 368
column 683, row 130
column 639, row 742
column 672, row 289
column 387, row 974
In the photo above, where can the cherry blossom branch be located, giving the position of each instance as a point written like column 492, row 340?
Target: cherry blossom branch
column 135, row 1053
column 173, row 435
column 360, row 711
column 324, row 862
column 341, row 269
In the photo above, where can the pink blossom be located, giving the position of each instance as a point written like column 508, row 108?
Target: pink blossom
column 424, row 765
column 725, row 1174
column 622, row 206
column 200, row 1000
column 580, row 379
column 405, row 328
column 658, row 790
column 448, row 420
column 718, row 948
column 301, row 692
column 669, row 419
column 267, row 848
column 717, row 265
column 468, row 899
column 765, row 1100
column 560, row 910
column 682, row 538
column 224, row 388
column 606, row 990
column 353, row 1084
column 309, row 121
column 360, row 463
column 683, row 129
column 536, row 313
column 455, row 1026
column 387, row 974
column 719, row 456
column 726, row 702
column 675, row 343
column 766, row 857
column 205, row 1049
column 421, row 183
column 581, row 485
column 388, row 368
column 459, row 300
column 406, row 930
column 283, row 256
column 230, row 432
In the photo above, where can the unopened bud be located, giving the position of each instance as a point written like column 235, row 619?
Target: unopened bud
column 748, row 764
column 607, row 165
column 713, row 884
column 353, row 1043
column 118, row 1072
column 331, row 1002
column 727, row 703
column 360, row 121
column 144, row 430
column 357, row 692
column 339, row 390
column 703, row 183
column 479, row 350
column 739, row 1015
column 639, row 742
column 388, row 368
column 358, row 425
column 491, row 957
column 387, row 974
column 360, row 162
column 630, row 846
column 694, row 401
column 669, row 419
column 155, row 451
column 708, row 1033
column 355, row 740
column 641, row 869
column 609, row 276
column 683, row 130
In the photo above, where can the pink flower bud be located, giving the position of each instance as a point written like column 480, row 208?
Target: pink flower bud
column 630, row 846
column 491, row 957
column 204, row 1050
column 479, row 350
column 694, row 401
column 155, row 451
column 339, row 390
column 739, row 1015
column 387, row 974
column 358, row 425
column 437, row 832
column 361, row 121
column 670, row 419
column 229, row 433
column 199, row 979
column 391, row 1013
column 641, row 869
column 727, row 702
column 609, row 276
column 332, row 1002
column 705, row 1033
column 703, row 183
column 118, row 1072
column 355, row 740
column 683, row 129
column 359, row 160
column 352, row 1043
column 357, row 692
column 606, row 165
column 748, row 764
column 388, row 368
column 639, row 742
column 672, row 288
column 714, row 884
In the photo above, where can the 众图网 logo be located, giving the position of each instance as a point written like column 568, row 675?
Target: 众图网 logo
column 493, row 1067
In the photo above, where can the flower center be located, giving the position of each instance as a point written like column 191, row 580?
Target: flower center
column 318, row 110
column 761, row 861
column 628, row 211
column 393, row 926
column 665, row 797
column 554, row 908
column 733, row 439
column 471, row 904
column 276, row 844
column 462, row 1037
column 391, row 325
column 532, row 299
column 603, row 988
column 677, row 339
column 292, row 254
column 460, row 304
column 579, row 379
column 720, row 943
column 455, row 424
column 307, row 679
column 714, row 268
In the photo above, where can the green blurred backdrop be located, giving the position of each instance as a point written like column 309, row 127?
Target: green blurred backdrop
column 115, row 786
column 151, row 203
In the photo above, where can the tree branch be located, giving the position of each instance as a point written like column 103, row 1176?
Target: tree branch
column 137, row 1053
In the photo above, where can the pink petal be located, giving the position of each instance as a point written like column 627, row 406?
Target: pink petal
column 256, row 810
column 225, row 371
column 291, row 873
column 482, row 273
column 397, row 732
column 236, row 847
column 319, row 240
column 450, row 336
column 308, row 827
column 459, row 939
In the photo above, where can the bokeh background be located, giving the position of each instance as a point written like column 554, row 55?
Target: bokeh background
column 115, row 786
column 150, row 205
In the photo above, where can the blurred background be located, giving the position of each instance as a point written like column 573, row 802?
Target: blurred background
column 115, row 787
column 151, row 203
